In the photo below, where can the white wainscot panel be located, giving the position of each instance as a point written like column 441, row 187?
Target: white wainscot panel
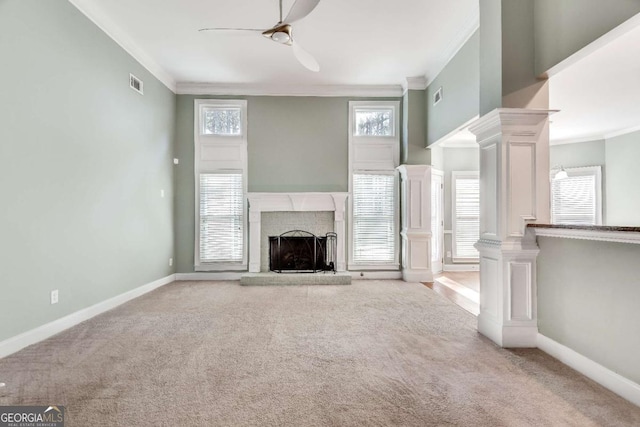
column 374, row 156
column 488, row 191
column 419, row 250
column 489, row 293
column 522, row 188
column 222, row 155
column 520, row 291
column 415, row 201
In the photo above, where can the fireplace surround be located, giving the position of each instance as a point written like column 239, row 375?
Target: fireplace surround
column 295, row 202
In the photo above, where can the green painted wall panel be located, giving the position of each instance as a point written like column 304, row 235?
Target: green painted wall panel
column 84, row 160
column 490, row 52
column 295, row 144
column 623, row 180
column 460, row 82
column 563, row 27
column 587, row 300
column 414, row 150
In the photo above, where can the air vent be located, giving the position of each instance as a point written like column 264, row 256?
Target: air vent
column 437, row 97
column 135, row 84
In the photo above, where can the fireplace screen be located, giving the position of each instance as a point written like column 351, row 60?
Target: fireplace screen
column 299, row 251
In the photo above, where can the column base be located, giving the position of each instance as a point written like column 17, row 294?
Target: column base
column 417, row 276
column 508, row 336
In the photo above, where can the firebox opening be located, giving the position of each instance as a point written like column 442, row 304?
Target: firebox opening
column 299, row 251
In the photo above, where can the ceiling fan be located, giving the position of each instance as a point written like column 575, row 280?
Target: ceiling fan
column 282, row 32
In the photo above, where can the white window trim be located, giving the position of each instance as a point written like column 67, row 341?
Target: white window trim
column 377, row 166
column 581, row 171
column 232, row 158
column 455, row 175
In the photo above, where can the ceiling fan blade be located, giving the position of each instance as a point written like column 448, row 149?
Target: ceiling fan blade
column 305, row 58
column 229, row 29
column 300, row 9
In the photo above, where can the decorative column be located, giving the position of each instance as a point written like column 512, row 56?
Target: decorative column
column 514, row 191
column 339, row 200
column 416, row 223
column 255, row 218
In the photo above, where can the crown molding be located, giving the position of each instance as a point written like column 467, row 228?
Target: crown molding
column 240, row 89
column 588, row 138
column 414, row 83
column 622, row 132
column 90, row 9
column 596, row 136
column 467, row 30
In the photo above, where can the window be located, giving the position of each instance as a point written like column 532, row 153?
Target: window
column 577, row 199
column 221, row 217
column 374, row 218
column 374, row 122
column 374, row 151
column 220, row 180
column 466, row 215
column 221, row 121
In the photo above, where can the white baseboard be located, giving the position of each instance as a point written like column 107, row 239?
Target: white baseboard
column 219, row 275
column 375, row 275
column 462, row 267
column 367, row 275
column 14, row 344
column 417, row 276
column 587, row 367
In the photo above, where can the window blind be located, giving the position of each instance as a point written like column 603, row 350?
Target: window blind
column 574, row 200
column 221, row 217
column 467, row 216
column 373, row 218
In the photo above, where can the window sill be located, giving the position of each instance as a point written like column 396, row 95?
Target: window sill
column 221, row 267
column 465, row 260
column 382, row 267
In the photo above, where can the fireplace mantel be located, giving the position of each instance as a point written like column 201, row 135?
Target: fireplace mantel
column 295, row 202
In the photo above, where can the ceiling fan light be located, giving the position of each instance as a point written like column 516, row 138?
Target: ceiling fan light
column 281, row 37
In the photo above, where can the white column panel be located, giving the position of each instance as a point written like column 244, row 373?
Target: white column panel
column 514, row 191
column 416, row 223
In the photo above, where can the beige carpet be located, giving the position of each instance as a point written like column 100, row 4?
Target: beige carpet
column 376, row 353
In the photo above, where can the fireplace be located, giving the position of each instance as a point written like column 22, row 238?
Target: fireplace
column 299, row 251
column 322, row 212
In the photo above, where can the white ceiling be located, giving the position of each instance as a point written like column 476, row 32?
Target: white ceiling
column 356, row 42
column 359, row 42
column 599, row 95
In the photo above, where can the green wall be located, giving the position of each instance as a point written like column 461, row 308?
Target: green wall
column 587, row 300
column 84, row 160
column 295, row 144
column 490, row 53
column 588, row 153
column 414, row 150
column 517, row 46
column 563, row 27
column 623, row 180
column 460, row 82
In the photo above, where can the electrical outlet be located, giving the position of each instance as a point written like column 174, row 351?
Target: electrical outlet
column 448, row 254
column 176, row 161
column 170, row 262
column 161, row 193
column 54, row 297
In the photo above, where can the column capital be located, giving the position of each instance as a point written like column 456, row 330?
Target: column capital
column 414, row 171
column 503, row 119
